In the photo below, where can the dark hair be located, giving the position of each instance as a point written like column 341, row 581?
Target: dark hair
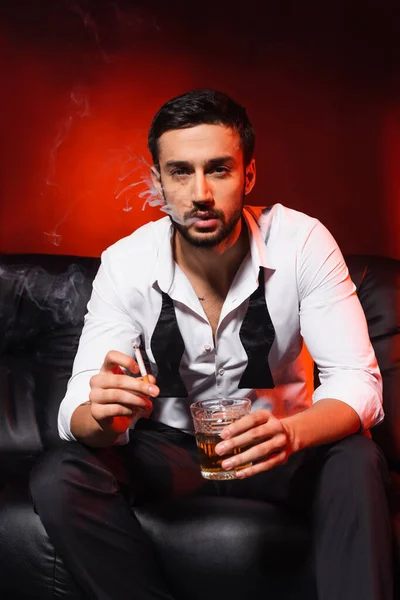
column 197, row 107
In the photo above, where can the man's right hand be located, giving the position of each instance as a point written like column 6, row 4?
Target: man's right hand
column 116, row 398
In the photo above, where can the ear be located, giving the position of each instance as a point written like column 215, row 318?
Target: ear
column 156, row 179
column 250, row 176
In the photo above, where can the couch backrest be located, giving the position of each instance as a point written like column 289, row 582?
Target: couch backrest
column 378, row 285
column 43, row 301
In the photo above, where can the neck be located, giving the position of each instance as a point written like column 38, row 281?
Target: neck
column 217, row 265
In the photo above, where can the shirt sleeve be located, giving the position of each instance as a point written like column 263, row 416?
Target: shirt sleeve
column 107, row 326
column 334, row 329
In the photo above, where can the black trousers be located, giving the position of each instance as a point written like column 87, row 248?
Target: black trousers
column 84, row 498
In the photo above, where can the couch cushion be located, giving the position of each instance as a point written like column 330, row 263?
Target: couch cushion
column 206, row 544
column 29, row 565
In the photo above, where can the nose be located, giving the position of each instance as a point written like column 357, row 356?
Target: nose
column 201, row 191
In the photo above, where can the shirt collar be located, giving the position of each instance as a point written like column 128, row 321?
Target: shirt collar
column 258, row 247
column 165, row 268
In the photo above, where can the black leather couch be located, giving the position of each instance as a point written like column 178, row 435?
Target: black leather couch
column 209, row 549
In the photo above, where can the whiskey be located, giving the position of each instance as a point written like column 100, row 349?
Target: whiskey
column 210, row 461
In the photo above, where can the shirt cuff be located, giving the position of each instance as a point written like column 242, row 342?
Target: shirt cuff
column 358, row 394
column 64, row 424
column 122, row 439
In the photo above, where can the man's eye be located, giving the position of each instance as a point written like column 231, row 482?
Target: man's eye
column 220, row 170
column 179, row 172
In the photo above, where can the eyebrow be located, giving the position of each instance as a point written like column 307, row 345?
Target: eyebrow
column 213, row 162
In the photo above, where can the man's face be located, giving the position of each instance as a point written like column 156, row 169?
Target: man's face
column 203, row 181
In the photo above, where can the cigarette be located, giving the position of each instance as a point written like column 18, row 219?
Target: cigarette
column 139, row 360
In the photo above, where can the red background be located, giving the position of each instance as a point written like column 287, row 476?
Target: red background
column 320, row 82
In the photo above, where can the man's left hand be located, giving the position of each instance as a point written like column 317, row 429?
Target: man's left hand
column 269, row 442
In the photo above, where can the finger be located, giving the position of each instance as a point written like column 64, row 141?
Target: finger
column 118, row 396
column 114, row 359
column 259, row 417
column 146, row 378
column 253, row 436
column 265, row 465
column 260, row 451
column 111, row 414
column 105, row 411
column 118, row 411
column 124, row 382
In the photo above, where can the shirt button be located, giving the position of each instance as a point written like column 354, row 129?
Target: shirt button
column 207, row 348
column 221, row 372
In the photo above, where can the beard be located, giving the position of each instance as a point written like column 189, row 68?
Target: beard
column 207, row 239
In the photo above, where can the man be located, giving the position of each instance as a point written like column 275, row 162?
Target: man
column 226, row 301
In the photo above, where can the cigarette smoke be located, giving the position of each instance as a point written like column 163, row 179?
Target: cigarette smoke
column 151, row 195
column 90, row 24
column 78, row 109
column 110, row 24
column 63, row 294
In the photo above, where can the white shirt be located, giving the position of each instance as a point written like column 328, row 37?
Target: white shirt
column 310, row 297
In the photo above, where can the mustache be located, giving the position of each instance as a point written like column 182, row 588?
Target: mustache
column 204, row 213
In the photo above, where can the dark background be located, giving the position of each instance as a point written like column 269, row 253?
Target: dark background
column 81, row 80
